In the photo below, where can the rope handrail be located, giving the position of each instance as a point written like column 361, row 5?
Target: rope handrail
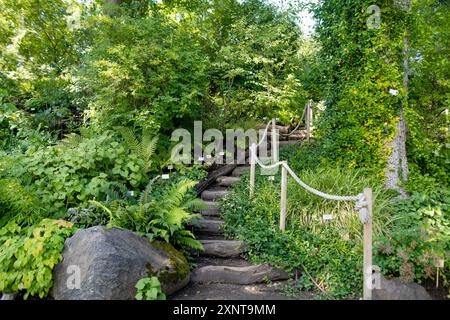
column 300, row 182
column 265, row 134
column 299, row 123
column 363, row 204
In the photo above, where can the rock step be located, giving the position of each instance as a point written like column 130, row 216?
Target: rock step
column 220, row 291
column 222, row 248
column 281, row 129
column 209, row 227
column 238, row 275
column 239, row 171
column 214, row 194
column 227, row 181
column 204, row 261
column 212, row 209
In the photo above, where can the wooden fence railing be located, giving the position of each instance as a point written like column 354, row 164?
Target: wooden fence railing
column 363, row 201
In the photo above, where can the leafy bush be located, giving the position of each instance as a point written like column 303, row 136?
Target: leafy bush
column 419, row 238
column 324, row 257
column 149, row 289
column 29, row 255
column 161, row 211
column 328, row 254
column 79, row 169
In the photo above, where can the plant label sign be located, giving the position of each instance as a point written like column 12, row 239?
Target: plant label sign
column 165, row 177
column 327, row 217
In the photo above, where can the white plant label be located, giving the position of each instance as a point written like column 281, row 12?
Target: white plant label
column 170, row 167
column 327, row 217
column 201, row 159
column 165, row 177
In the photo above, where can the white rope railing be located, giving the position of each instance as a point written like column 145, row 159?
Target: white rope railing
column 363, row 202
column 301, row 119
column 264, row 134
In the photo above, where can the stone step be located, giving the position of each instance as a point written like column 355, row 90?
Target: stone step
column 214, row 194
column 227, row 181
column 212, row 209
column 281, row 129
column 238, row 275
column 209, row 227
column 239, row 171
column 221, row 291
column 222, row 248
column 204, row 261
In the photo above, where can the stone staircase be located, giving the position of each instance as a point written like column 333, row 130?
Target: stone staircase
column 220, row 268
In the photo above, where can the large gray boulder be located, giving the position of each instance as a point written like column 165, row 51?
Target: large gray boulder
column 395, row 289
column 111, row 261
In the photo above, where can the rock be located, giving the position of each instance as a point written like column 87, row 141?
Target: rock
column 222, row 248
column 111, row 261
column 280, row 129
column 214, row 194
column 238, row 275
column 397, row 290
column 212, row 209
column 227, row 181
column 239, row 171
column 209, row 227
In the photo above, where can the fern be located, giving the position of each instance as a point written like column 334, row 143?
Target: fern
column 129, row 138
column 71, row 140
column 18, row 203
column 144, row 149
column 158, row 215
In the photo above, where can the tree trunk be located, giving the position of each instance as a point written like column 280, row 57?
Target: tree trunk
column 397, row 169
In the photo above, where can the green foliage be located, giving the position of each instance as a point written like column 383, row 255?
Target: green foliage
column 161, row 211
column 428, row 147
column 18, row 203
column 144, row 72
column 79, row 169
column 29, row 255
column 149, row 289
column 327, row 254
column 418, row 239
column 358, row 67
column 321, row 255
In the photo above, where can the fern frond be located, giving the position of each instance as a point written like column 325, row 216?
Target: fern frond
column 145, row 195
column 72, row 140
column 148, row 147
column 129, row 138
column 177, row 216
column 186, row 238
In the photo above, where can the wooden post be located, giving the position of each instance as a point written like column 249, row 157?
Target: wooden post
column 308, row 121
column 283, row 197
column 368, row 247
column 252, row 168
column 274, row 146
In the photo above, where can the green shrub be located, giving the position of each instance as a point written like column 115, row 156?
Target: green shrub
column 322, row 255
column 29, row 255
column 418, row 239
column 161, row 211
column 79, row 169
